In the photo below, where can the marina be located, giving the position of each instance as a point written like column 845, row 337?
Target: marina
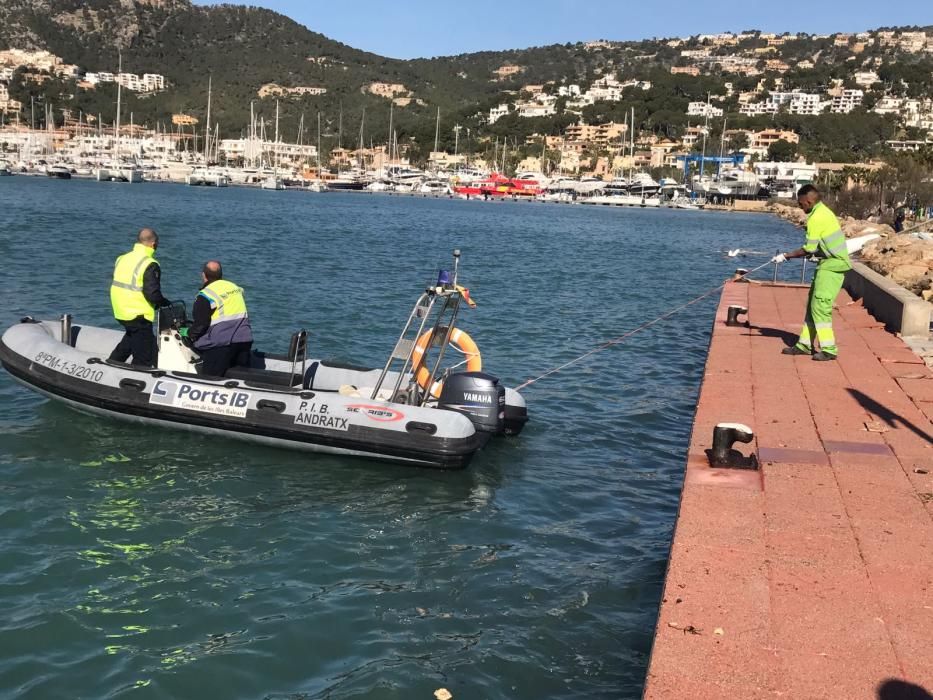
column 458, row 362
column 469, row 579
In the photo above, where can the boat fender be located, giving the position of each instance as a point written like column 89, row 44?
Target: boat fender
column 460, row 340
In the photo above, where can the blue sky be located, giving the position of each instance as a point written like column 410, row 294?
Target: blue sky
column 423, row 28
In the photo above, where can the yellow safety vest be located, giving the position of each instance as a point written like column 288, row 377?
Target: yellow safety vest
column 826, row 239
column 126, row 289
column 229, row 318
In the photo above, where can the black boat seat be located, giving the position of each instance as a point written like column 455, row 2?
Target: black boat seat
column 265, row 376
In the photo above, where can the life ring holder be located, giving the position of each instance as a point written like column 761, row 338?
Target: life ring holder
column 460, row 341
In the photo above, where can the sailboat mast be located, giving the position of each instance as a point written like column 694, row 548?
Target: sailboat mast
column 252, row 134
column 389, row 144
column 318, row 145
column 362, row 123
column 207, row 126
column 705, row 131
column 722, row 140
column 119, row 96
column 437, row 128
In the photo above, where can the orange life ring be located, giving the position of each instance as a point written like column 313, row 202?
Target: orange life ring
column 461, row 340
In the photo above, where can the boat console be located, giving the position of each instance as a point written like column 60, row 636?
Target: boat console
column 175, row 353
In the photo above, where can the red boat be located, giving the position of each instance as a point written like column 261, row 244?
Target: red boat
column 497, row 185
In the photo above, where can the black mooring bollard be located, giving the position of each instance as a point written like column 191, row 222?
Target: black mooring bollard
column 722, row 455
column 739, row 275
column 733, row 313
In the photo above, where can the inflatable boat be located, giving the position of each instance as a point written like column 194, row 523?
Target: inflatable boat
column 410, row 410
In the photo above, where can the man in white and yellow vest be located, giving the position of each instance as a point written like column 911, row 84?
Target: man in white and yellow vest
column 220, row 327
column 135, row 294
column 826, row 241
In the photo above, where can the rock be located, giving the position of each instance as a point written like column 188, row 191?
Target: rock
column 908, row 275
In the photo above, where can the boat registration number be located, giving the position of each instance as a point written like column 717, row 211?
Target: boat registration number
column 74, row 369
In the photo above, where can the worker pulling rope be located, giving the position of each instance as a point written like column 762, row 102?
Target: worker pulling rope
column 616, row 341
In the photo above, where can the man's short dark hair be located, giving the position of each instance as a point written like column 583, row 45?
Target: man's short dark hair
column 212, row 271
column 807, row 189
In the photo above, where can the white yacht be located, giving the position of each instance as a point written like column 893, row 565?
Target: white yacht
column 402, row 174
column 119, row 173
column 207, row 177
column 272, row 183
column 531, row 176
column 676, row 196
column 732, row 182
column 435, row 187
column 621, row 193
column 380, row 186
column 62, row 172
column 643, row 184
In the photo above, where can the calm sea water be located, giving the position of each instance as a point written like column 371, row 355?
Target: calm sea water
column 152, row 564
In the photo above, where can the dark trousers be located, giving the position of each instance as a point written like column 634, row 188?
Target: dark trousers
column 216, row 361
column 138, row 341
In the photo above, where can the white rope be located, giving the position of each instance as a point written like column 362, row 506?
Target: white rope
column 616, row 341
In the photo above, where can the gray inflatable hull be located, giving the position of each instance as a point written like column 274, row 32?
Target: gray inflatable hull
column 317, row 418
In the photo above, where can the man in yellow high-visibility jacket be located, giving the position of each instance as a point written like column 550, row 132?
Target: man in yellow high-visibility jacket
column 220, row 328
column 135, row 294
column 826, row 241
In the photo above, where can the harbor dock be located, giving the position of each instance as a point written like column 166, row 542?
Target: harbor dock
column 812, row 576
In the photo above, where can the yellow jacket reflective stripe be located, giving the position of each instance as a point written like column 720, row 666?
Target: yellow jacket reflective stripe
column 229, row 318
column 826, row 239
column 227, row 301
column 126, row 289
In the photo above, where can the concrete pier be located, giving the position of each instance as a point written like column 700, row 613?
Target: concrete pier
column 812, row 577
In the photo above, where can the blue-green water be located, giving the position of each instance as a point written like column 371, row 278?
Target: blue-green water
column 148, row 563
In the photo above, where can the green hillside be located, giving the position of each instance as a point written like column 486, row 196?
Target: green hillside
column 243, row 48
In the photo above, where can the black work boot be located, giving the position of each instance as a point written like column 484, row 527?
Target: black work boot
column 822, row 356
column 794, row 350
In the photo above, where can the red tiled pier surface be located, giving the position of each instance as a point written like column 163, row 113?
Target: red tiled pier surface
column 813, row 577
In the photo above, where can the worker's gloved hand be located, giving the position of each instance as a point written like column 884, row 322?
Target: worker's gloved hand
column 183, row 331
column 779, row 258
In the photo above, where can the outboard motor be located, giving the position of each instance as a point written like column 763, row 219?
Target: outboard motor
column 477, row 395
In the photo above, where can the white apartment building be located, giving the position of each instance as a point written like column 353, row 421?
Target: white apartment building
column 569, row 91
column 702, row 109
column 913, row 42
column 148, row 82
column 534, row 109
column 865, row 78
column 889, row 105
column 797, row 102
column 102, row 77
column 153, row 82
column 846, row 101
column 497, row 113
column 7, row 104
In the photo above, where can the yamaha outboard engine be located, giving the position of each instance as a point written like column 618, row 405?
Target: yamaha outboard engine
column 477, row 395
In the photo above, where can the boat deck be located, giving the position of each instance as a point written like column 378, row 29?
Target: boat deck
column 813, row 577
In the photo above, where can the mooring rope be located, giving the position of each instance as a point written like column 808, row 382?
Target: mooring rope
column 616, row 341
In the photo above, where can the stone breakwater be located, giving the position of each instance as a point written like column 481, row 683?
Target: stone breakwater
column 906, row 259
